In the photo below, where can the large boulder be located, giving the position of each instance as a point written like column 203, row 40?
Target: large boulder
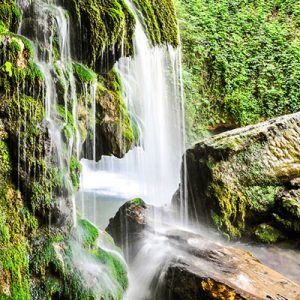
column 241, row 179
column 212, row 271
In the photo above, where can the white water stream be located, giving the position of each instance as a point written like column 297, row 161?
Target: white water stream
column 152, row 91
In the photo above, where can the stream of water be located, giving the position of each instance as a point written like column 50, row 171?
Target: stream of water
column 152, row 92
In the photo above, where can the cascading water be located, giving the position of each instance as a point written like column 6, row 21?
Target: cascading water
column 153, row 95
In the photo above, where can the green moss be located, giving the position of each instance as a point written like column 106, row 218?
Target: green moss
column 67, row 121
column 84, row 74
column 75, row 169
column 10, row 15
column 88, row 233
column 107, row 24
column 18, row 72
column 118, row 270
column 112, row 119
column 261, row 198
column 137, row 201
column 16, row 223
column 160, row 20
column 7, row 67
column 115, row 86
column 268, row 234
column 230, row 208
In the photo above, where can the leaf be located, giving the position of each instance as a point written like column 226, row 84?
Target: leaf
column 7, row 67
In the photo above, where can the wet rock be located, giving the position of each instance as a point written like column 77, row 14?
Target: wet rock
column 288, row 210
column 235, row 179
column 212, row 271
column 127, row 227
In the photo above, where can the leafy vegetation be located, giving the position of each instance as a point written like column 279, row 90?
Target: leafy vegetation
column 241, row 61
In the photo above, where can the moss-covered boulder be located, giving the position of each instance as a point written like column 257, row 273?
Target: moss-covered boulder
column 114, row 132
column 74, row 266
column 101, row 31
column 242, row 178
column 128, row 225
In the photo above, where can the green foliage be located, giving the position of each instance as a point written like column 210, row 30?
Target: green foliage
column 10, row 16
column 268, row 234
column 241, row 61
column 160, row 20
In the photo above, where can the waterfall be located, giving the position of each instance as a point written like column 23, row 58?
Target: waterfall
column 153, row 93
column 152, row 90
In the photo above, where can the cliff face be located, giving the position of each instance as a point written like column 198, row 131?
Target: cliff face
column 39, row 246
column 245, row 182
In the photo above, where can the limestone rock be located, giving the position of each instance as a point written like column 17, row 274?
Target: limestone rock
column 235, row 179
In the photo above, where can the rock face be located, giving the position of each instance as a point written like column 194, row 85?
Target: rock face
column 242, row 178
column 128, row 225
column 200, row 268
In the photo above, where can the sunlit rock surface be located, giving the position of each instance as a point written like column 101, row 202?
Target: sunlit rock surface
column 242, row 178
column 213, row 271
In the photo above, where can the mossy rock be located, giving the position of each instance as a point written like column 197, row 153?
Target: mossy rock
column 160, row 21
column 240, row 179
column 266, row 233
column 10, row 16
column 18, row 71
column 114, row 130
column 59, row 266
column 106, row 31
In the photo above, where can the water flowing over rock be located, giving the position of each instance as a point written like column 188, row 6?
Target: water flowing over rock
column 196, row 267
column 242, row 178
